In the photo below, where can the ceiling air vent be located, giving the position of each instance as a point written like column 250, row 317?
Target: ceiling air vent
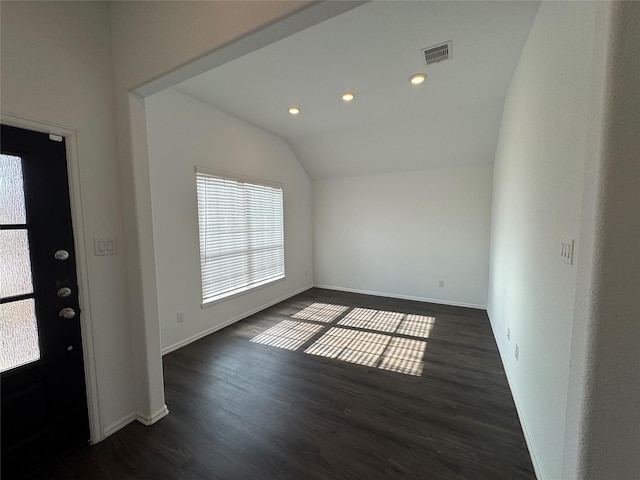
column 437, row 53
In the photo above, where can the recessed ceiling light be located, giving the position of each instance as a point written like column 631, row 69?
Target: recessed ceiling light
column 418, row 78
column 294, row 110
column 348, row 96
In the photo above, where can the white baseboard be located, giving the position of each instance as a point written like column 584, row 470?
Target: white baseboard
column 154, row 417
column 231, row 321
column 537, row 467
column 121, row 423
column 404, row 297
column 130, row 417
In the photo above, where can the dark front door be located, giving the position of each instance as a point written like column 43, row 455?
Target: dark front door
column 44, row 404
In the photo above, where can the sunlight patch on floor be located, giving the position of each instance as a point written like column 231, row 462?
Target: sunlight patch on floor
column 369, row 319
column 364, row 336
column 404, row 355
column 288, row 334
column 353, row 346
column 386, row 352
column 391, row 322
column 416, row 326
column 320, row 312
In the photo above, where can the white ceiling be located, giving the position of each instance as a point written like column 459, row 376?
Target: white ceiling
column 452, row 119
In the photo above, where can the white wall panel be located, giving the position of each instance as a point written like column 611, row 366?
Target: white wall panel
column 184, row 133
column 400, row 234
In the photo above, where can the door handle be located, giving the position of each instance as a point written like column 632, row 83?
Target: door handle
column 67, row 313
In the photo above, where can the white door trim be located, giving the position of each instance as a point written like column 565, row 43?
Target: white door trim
column 73, row 166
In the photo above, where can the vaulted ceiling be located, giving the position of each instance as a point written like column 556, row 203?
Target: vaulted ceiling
column 451, row 119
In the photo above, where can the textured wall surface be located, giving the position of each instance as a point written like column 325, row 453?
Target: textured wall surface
column 537, row 197
column 603, row 419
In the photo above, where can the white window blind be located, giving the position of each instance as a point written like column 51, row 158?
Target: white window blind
column 241, row 235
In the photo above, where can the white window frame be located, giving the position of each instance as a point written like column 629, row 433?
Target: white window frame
column 210, row 255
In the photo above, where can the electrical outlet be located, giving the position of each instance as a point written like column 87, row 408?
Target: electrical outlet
column 180, row 317
column 517, row 352
column 441, row 283
column 508, row 334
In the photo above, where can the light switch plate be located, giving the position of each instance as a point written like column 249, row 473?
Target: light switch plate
column 105, row 246
column 566, row 250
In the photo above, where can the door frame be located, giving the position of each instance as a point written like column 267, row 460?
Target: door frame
column 73, row 166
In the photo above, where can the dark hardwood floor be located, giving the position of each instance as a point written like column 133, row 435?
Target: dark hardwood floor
column 393, row 390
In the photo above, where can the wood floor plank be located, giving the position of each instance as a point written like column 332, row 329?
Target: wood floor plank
column 246, row 410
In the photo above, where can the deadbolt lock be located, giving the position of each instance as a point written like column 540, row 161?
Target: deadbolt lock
column 61, row 255
column 64, row 292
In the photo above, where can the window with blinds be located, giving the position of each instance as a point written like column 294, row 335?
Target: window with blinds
column 241, row 235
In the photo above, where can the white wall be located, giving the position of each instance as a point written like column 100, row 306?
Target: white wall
column 537, row 195
column 183, row 133
column 56, row 68
column 149, row 40
column 59, row 61
column 602, row 438
column 399, row 234
column 154, row 44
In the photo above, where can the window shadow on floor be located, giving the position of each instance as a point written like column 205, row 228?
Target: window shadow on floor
column 387, row 340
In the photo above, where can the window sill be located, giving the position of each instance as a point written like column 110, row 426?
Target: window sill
column 239, row 292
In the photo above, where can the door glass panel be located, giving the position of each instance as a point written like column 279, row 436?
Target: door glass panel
column 18, row 334
column 12, row 209
column 18, row 325
column 15, row 263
